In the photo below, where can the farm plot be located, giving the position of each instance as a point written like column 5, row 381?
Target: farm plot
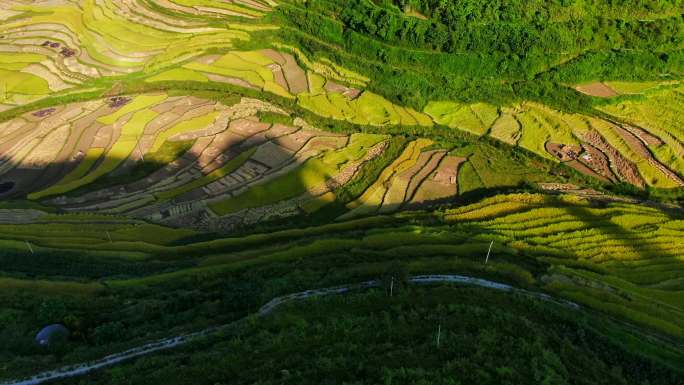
column 635, row 245
column 320, row 88
column 55, row 46
column 475, row 118
column 614, row 88
column 620, row 258
column 251, row 67
column 236, row 170
column 415, row 177
column 656, row 121
column 601, row 90
column 249, row 9
column 609, row 150
column 325, row 166
column 106, row 136
column 24, row 79
column 367, row 108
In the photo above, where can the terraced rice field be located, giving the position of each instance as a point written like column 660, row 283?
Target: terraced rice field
column 192, row 158
column 41, row 58
column 414, row 177
column 623, row 259
column 319, row 89
column 56, row 46
column 614, row 148
column 658, row 115
column 237, row 171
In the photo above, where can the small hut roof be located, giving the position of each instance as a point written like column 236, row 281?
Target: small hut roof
column 43, row 337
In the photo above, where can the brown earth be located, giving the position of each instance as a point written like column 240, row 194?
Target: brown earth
column 581, row 167
column 646, row 137
column 640, row 148
column 626, row 169
column 294, row 74
column 273, row 55
column 278, row 75
column 295, row 141
column 248, row 127
column 272, row 155
column 442, row 184
column 597, row 162
column 278, row 130
column 350, row 93
column 563, row 152
column 234, row 81
column 596, row 89
column 161, row 122
column 424, row 173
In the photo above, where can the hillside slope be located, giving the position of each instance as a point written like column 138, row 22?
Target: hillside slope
column 170, row 166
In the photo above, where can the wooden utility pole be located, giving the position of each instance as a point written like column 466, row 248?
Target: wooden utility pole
column 489, row 251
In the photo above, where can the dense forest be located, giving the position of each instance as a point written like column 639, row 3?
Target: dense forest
column 492, row 50
column 444, row 335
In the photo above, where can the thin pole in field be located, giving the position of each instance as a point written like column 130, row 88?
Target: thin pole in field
column 109, row 236
column 137, row 144
column 439, row 334
column 489, row 251
column 392, row 286
column 29, row 246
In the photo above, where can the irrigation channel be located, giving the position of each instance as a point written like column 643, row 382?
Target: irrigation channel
column 171, row 342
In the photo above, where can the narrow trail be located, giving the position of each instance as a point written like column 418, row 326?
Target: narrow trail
column 171, row 342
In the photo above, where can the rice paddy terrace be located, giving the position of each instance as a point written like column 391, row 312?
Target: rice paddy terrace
column 170, row 166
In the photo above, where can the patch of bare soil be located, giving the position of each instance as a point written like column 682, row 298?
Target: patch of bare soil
column 217, row 153
column 278, row 130
column 295, row 141
column 564, row 152
column 581, row 167
column 640, row 148
column 597, row 161
column 295, row 75
column 272, row 155
column 596, row 89
column 228, row 145
column 234, row 81
column 626, row 170
column 248, row 127
column 278, row 75
column 643, row 135
column 409, row 11
column 350, row 93
column 442, row 184
column 273, row 55
column 397, row 187
column 161, row 122
column 425, row 172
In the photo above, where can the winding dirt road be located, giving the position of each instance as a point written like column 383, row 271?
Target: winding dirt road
column 171, row 342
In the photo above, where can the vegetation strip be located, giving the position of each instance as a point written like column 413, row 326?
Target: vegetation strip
column 168, row 343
